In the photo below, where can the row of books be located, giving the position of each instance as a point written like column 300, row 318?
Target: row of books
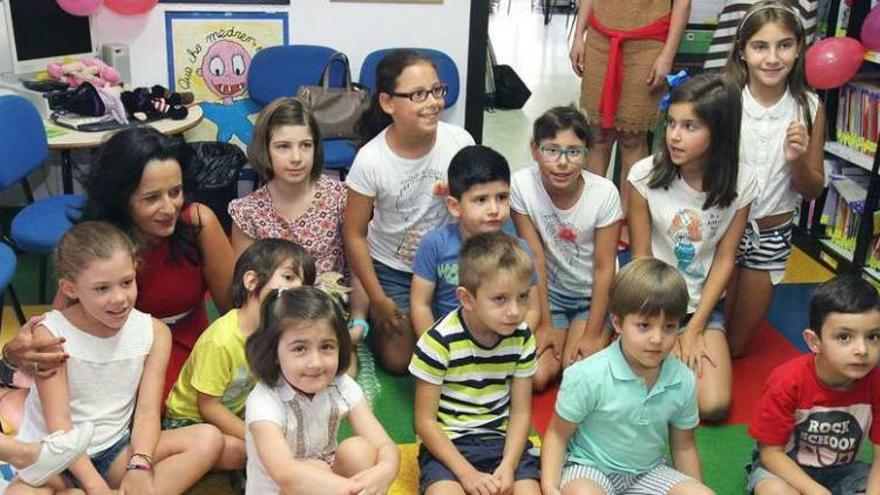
column 858, row 115
column 844, row 211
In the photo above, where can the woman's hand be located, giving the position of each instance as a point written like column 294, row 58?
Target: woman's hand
column 661, row 68
column 577, row 56
column 375, row 480
column 36, row 356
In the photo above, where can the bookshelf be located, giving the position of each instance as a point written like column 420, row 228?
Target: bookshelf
column 835, row 229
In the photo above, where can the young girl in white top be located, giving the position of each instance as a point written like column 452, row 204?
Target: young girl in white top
column 569, row 217
column 783, row 133
column 299, row 356
column 689, row 208
column 113, row 378
column 399, row 179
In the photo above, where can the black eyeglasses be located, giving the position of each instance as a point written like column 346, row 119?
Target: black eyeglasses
column 439, row 91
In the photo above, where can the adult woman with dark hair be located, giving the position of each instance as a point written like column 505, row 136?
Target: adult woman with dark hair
column 139, row 183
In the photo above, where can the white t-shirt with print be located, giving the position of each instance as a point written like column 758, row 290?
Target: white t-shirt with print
column 408, row 194
column 309, row 425
column 568, row 236
column 683, row 234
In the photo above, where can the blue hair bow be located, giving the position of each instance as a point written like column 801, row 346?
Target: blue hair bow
column 674, row 81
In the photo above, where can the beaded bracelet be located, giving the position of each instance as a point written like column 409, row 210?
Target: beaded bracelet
column 362, row 323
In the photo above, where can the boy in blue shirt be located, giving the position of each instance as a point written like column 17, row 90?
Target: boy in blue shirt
column 479, row 198
column 617, row 409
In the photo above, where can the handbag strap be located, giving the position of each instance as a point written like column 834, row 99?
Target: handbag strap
column 339, row 58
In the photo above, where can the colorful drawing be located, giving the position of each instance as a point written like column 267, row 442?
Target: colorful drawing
column 209, row 55
column 686, row 229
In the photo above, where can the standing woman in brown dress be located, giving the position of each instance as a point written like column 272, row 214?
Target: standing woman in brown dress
column 623, row 63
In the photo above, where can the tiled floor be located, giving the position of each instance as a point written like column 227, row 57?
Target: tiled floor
column 539, row 55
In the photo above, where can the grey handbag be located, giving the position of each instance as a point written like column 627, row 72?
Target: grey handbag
column 337, row 110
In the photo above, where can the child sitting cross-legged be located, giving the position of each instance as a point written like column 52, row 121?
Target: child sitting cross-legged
column 215, row 381
column 474, row 373
column 479, row 199
column 817, row 408
column 618, row 409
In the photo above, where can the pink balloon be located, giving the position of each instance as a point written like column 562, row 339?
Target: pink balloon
column 871, row 30
column 130, row 7
column 833, row 61
column 79, row 8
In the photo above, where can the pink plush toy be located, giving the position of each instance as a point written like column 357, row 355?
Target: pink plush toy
column 93, row 70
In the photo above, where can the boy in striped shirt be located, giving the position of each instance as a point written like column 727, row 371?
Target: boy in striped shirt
column 474, row 373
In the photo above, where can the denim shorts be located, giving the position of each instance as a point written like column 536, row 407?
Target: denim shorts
column 716, row 318
column 565, row 309
column 484, row 453
column 395, row 283
column 103, row 459
column 841, row 480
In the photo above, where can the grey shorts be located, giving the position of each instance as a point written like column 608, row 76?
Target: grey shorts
column 848, row 479
column 716, row 318
column 565, row 309
column 657, row 481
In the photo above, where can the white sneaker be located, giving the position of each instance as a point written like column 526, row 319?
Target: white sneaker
column 57, row 452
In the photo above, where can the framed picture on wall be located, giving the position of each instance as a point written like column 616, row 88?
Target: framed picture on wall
column 240, row 2
column 209, row 55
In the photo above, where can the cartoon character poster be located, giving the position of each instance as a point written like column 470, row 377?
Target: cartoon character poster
column 209, row 54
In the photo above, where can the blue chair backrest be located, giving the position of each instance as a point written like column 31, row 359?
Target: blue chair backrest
column 279, row 71
column 23, row 144
column 446, row 70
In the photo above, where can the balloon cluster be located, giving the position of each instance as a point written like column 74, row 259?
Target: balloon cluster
column 834, row 61
column 88, row 7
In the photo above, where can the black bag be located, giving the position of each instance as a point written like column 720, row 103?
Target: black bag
column 215, row 167
column 510, row 91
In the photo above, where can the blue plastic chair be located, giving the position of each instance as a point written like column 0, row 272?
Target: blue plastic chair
column 38, row 227
column 7, row 270
column 279, row 71
column 446, row 70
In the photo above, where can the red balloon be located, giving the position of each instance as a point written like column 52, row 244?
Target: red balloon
column 130, row 7
column 833, row 61
column 79, row 8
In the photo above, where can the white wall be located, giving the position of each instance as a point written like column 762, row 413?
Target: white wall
column 354, row 28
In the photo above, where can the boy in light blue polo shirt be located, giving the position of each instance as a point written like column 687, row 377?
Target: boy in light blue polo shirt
column 617, row 409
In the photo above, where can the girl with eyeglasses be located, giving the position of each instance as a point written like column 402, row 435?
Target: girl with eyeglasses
column 570, row 219
column 396, row 193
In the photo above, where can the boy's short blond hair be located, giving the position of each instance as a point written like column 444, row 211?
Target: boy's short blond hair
column 648, row 286
column 484, row 255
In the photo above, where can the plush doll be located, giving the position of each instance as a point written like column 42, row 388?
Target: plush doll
column 92, row 69
column 156, row 103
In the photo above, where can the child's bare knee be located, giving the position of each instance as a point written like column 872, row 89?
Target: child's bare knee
column 692, row 487
column 207, row 441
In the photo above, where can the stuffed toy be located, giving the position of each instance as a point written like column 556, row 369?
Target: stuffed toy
column 91, row 69
column 156, row 103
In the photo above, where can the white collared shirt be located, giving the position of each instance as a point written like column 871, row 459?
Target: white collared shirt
column 309, row 425
column 761, row 148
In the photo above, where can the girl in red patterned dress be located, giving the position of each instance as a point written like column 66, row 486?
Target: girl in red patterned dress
column 298, row 202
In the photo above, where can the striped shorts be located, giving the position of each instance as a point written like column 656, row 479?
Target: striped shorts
column 766, row 250
column 657, row 481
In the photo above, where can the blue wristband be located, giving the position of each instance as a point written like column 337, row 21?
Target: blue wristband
column 360, row 322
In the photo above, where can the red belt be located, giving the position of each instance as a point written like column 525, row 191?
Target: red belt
column 657, row 30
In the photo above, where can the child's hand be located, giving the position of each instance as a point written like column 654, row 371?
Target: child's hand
column 692, row 351
column 796, row 141
column 477, row 483
column 342, row 486
column 138, row 481
column 551, row 340
column 385, row 313
column 505, row 475
column 577, row 56
column 376, row 480
column 588, row 344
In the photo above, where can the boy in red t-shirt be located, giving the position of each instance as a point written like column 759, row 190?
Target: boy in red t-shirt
column 817, row 408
